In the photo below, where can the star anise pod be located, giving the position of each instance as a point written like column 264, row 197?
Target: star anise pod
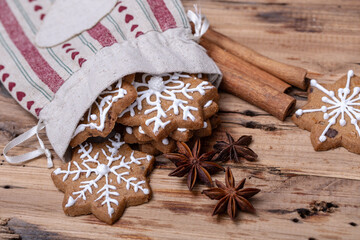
column 231, row 197
column 189, row 162
column 235, row 151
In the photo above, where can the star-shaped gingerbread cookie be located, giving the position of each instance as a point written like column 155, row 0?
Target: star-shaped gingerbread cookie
column 169, row 101
column 104, row 179
column 332, row 114
column 101, row 117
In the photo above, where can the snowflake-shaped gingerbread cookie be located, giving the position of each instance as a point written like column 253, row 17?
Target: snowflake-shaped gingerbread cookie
column 332, row 114
column 166, row 102
column 103, row 179
column 101, row 117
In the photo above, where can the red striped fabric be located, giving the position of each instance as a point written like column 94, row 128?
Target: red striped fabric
column 162, row 14
column 100, row 33
column 37, row 63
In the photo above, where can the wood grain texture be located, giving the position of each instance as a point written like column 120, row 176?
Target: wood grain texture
column 322, row 36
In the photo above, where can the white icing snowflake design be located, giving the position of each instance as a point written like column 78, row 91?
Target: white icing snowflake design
column 343, row 104
column 161, row 89
column 101, row 102
column 116, row 164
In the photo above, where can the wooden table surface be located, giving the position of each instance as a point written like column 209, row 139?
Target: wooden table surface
column 320, row 35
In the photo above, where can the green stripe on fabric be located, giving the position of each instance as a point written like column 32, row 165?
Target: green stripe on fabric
column 34, row 30
column 87, row 43
column 117, row 27
column 182, row 14
column 22, row 69
column 25, row 16
column 143, row 8
column 58, row 60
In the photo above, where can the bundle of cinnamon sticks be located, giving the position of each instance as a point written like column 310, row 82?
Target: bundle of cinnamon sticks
column 253, row 77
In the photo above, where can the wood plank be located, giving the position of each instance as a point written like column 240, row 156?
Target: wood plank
column 175, row 210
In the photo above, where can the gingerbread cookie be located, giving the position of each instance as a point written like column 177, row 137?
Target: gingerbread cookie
column 209, row 126
column 205, row 131
column 129, row 136
column 149, row 149
column 166, row 145
column 100, row 119
column 167, row 102
column 182, row 134
column 153, row 148
column 332, row 114
column 215, row 121
column 211, row 107
column 103, row 179
column 141, row 135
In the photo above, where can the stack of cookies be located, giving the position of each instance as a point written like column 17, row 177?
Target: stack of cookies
column 104, row 177
column 153, row 111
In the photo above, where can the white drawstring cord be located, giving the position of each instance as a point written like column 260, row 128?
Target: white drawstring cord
column 30, row 155
column 46, row 151
column 200, row 22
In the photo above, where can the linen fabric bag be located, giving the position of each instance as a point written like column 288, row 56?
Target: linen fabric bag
column 56, row 57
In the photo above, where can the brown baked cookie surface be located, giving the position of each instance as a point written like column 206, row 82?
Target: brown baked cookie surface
column 182, row 134
column 103, row 179
column 332, row 114
column 101, row 117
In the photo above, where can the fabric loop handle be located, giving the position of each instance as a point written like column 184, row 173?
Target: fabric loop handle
column 201, row 23
column 30, row 155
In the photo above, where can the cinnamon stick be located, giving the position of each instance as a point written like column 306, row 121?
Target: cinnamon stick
column 263, row 96
column 293, row 75
column 246, row 70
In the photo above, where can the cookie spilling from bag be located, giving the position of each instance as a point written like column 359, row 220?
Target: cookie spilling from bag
column 332, row 114
column 169, row 108
column 154, row 110
column 104, row 179
column 135, row 135
column 101, row 117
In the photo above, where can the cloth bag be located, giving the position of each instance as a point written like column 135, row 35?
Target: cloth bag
column 56, row 57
